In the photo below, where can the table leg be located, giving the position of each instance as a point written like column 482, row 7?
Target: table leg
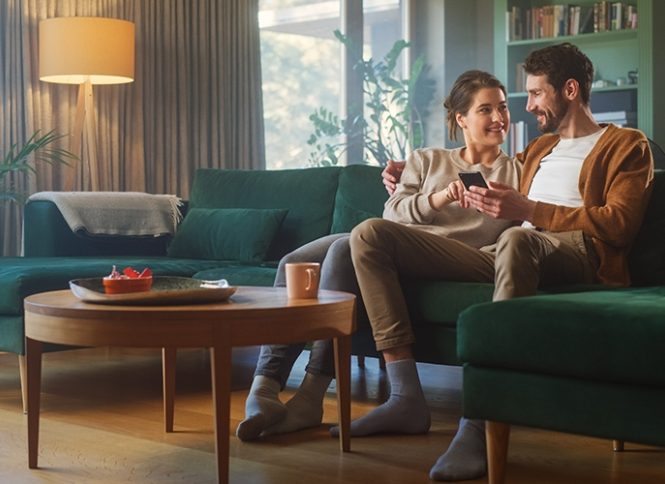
column 23, row 375
column 220, row 362
column 33, row 354
column 342, row 347
column 169, row 356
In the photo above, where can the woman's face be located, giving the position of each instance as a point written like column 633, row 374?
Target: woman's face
column 487, row 121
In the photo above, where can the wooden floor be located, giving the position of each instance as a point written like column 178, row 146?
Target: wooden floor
column 102, row 422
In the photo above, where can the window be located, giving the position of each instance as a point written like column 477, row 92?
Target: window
column 301, row 66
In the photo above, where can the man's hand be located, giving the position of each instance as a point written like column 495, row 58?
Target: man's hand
column 391, row 175
column 501, row 201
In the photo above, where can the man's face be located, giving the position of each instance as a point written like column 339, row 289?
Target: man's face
column 544, row 102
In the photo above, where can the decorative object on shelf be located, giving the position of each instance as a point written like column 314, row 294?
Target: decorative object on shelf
column 17, row 162
column 394, row 108
column 601, row 83
column 86, row 51
column 633, row 76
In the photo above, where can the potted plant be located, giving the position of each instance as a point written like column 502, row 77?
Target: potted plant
column 17, row 161
column 392, row 124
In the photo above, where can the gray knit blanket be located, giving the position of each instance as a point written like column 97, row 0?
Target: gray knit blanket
column 117, row 213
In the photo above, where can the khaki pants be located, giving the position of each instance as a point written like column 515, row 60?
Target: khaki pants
column 520, row 262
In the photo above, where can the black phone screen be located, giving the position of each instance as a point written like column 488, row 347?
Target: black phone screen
column 472, row 178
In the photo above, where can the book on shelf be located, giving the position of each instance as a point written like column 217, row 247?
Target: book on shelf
column 620, row 118
column 520, row 77
column 560, row 20
column 518, row 137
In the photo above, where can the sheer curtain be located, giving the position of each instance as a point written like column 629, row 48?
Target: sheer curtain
column 195, row 102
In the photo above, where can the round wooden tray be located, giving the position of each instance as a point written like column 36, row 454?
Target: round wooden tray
column 165, row 291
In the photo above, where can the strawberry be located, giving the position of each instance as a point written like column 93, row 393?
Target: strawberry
column 130, row 272
column 145, row 273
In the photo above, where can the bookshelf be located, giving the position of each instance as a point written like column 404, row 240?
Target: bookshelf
column 615, row 54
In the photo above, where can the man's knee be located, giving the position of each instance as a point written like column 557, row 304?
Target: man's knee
column 372, row 232
column 515, row 240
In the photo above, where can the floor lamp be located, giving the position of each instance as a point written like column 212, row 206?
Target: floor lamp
column 86, row 51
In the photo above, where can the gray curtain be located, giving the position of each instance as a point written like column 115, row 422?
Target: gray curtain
column 195, row 102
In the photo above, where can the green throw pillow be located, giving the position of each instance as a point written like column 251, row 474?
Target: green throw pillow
column 346, row 217
column 242, row 234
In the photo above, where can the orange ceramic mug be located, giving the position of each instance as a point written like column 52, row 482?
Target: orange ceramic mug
column 302, row 280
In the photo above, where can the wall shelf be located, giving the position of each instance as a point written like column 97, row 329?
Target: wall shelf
column 626, row 87
column 576, row 39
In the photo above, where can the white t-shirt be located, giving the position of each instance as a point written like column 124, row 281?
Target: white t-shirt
column 558, row 176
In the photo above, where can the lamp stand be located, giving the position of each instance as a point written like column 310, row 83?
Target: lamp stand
column 85, row 114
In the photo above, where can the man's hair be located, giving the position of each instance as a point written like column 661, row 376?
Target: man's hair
column 559, row 63
column 460, row 98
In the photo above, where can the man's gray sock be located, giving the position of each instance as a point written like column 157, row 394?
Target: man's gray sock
column 466, row 457
column 305, row 409
column 262, row 408
column 405, row 411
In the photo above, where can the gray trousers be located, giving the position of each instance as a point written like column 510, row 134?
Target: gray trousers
column 333, row 252
column 521, row 261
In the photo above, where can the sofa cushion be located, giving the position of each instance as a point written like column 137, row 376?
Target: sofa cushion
column 598, row 408
column 440, row 302
column 20, row 277
column 243, row 234
column 360, row 196
column 614, row 336
column 308, row 194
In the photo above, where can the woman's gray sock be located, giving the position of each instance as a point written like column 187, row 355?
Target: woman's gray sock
column 305, row 409
column 466, row 457
column 405, row 411
column 262, row 408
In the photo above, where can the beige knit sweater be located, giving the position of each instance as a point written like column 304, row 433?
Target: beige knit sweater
column 430, row 170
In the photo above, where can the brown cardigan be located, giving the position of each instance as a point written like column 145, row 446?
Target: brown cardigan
column 615, row 182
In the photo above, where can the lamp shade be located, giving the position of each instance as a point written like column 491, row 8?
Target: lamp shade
column 73, row 50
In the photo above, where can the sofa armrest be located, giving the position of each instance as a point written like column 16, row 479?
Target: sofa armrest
column 46, row 234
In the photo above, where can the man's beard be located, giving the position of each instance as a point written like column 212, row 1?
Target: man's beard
column 554, row 117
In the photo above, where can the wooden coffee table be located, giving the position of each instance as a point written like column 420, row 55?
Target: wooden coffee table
column 253, row 316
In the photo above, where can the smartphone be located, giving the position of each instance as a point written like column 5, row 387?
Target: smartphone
column 472, row 178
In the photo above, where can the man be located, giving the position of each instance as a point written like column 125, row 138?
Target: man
column 583, row 193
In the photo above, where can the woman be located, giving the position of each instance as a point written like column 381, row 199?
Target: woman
column 429, row 198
